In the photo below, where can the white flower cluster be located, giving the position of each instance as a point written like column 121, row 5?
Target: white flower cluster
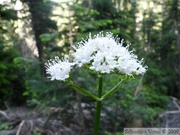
column 103, row 54
column 58, row 69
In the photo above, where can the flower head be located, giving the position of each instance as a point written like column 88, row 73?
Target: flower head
column 58, row 69
column 102, row 53
column 105, row 54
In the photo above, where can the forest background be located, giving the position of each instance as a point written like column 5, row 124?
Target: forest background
column 33, row 31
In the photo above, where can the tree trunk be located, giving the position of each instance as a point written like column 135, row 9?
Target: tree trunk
column 37, row 25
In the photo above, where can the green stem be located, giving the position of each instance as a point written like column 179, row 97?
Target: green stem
column 114, row 89
column 83, row 91
column 98, row 107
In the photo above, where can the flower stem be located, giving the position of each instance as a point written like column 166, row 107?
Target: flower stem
column 114, row 89
column 82, row 91
column 98, row 107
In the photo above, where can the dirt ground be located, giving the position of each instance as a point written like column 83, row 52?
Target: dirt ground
column 47, row 121
column 28, row 121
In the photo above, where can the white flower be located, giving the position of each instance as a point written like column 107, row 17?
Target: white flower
column 102, row 53
column 58, row 69
column 105, row 54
